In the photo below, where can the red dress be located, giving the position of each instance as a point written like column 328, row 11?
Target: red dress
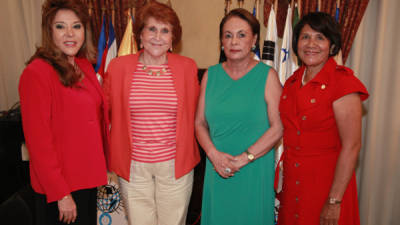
column 312, row 145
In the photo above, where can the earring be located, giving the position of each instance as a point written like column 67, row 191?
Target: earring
column 253, row 47
column 332, row 49
column 222, row 48
column 170, row 49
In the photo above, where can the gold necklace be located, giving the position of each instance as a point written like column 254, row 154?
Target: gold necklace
column 154, row 72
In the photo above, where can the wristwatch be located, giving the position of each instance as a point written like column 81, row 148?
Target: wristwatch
column 250, row 156
column 333, row 201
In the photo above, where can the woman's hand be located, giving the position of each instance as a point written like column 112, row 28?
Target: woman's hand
column 240, row 161
column 67, row 209
column 223, row 161
column 330, row 214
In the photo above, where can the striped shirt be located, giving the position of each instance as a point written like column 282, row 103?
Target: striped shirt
column 153, row 107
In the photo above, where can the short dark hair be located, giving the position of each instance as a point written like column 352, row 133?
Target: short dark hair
column 162, row 13
column 323, row 23
column 244, row 15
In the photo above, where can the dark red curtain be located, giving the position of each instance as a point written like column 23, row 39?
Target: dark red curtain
column 117, row 10
column 351, row 13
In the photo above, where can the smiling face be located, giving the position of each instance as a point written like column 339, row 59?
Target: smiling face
column 237, row 39
column 68, row 32
column 156, row 38
column 313, row 47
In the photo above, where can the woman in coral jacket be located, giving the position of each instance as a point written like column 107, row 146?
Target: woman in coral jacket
column 64, row 119
column 153, row 98
column 320, row 108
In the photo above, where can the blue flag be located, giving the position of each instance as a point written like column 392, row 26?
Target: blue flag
column 101, row 46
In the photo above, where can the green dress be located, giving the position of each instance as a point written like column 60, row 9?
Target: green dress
column 237, row 117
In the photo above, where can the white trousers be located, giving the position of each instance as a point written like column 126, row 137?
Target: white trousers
column 153, row 196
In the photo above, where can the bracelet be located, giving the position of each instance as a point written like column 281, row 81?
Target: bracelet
column 333, row 201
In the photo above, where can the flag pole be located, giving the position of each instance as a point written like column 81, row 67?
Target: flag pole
column 112, row 13
column 90, row 7
column 257, row 4
column 240, row 2
column 299, row 7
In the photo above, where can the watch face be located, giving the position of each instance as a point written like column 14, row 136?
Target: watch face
column 249, row 156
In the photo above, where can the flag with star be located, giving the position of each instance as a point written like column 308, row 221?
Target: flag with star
column 286, row 63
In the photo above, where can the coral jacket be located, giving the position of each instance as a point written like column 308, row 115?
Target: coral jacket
column 65, row 130
column 117, row 85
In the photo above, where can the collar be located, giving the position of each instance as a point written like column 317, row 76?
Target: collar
column 322, row 76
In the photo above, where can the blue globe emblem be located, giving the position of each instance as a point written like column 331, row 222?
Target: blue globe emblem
column 108, row 199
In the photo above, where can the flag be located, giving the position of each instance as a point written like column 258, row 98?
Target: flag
column 338, row 57
column 101, row 52
column 101, row 46
column 286, row 68
column 111, row 45
column 296, row 19
column 287, row 63
column 128, row 43
column 270, row 54
column 257, row 49
column 296, row 16
column 337, row 12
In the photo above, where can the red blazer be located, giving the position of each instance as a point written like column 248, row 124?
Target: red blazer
column 117, row 84
column 64, row 133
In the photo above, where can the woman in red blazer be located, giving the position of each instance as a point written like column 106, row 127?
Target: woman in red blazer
column 153, row 97
column 64, row 119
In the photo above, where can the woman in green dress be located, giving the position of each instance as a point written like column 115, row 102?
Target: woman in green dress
column 237, row 124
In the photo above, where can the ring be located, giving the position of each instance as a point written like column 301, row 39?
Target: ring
column 228, row 170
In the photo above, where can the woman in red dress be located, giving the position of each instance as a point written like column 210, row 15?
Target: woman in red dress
column 321, row 112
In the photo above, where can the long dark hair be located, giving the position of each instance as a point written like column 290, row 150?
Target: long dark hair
column 50, row 52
